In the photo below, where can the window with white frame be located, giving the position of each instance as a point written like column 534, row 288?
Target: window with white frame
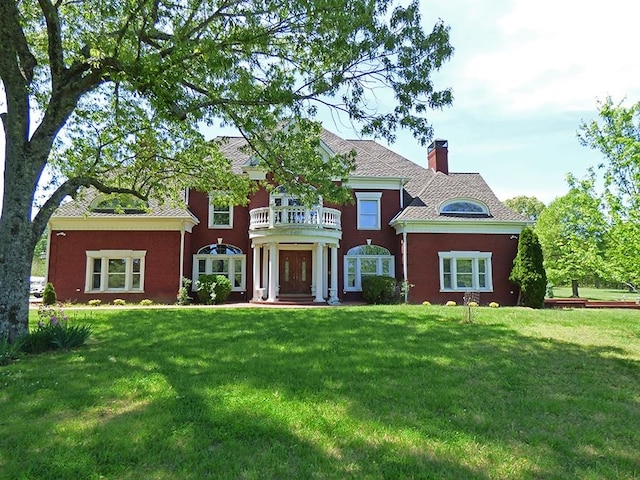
column 465, row 271
column 366, row 260
column 115, row 271
column 221, row 259
column 464, row 207
column 220, row 216
column 368, row 210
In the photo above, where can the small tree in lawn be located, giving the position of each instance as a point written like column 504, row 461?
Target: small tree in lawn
column 528, row 270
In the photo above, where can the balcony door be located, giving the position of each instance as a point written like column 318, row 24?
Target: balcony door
column 295, row 272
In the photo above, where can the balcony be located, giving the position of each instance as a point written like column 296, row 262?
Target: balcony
column 273, row 217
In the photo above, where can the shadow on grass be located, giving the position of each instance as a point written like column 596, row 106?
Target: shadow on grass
column 332, row 393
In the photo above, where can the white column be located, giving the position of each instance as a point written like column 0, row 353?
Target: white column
column 272, row 272
column 325, row 271
column 256, row 274
column 333, row 291
column 319, row 273
column 265, row 270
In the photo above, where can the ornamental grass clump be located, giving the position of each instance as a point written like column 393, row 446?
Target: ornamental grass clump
column 55, row 331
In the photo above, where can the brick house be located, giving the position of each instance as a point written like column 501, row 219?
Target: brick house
column 445, row 233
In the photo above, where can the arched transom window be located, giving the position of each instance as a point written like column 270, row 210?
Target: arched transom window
column 221, row 259
column 463, row 207
column 366, row 260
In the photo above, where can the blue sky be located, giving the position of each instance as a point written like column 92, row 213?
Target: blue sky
column 524, row 75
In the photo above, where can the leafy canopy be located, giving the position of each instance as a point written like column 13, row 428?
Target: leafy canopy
column 572, row 231
column 616, row 134
column 129, row 84
column 529, row 207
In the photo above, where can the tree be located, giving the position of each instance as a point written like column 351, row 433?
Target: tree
column 572, row 231
column 617, row 136
column 528, row 270
column 529, row 207
column 112, row 95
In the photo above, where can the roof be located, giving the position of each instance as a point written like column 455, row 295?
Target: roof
column 426, row 188
column 80, row 208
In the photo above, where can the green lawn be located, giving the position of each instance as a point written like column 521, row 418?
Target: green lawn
column 606, row 294
column 355, row 392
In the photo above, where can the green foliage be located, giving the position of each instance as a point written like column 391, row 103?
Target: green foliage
column 213, row 289
column 9, row 350
column 528, row 270
column 119, row 302
column 95, row 302
column 184, row 297
column 572, row 232
column 379, row 289
column 617, row 136
column 49, row 294
column 146, row 302
column 55, row 331
column 529, row 207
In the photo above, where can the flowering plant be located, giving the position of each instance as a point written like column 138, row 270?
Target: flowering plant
column 55, row 331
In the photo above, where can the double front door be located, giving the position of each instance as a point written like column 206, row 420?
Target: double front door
column 295, row 272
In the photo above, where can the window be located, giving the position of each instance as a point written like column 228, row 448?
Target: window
column 368, row 210
column 465, row 271
column 119, row 203
column 220, row 216
column 464, row 207
column 115, row 271
column 221, row 259
column 366, row 260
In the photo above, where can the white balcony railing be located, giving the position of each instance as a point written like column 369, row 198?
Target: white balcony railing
column 274, row 217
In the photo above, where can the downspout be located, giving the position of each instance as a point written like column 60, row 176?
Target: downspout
column 182, row 232
column 46, row 266
column 405, row 273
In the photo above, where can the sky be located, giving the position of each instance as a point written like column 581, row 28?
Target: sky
column 524, row 76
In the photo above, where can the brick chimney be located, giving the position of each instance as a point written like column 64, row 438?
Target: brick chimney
column 438, row 156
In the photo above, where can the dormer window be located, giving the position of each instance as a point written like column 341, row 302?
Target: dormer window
column 464, row 207
column 119, row 203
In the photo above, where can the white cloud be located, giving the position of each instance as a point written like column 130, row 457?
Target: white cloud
column 558, row 54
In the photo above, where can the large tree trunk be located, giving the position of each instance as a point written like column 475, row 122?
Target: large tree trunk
column 15, row 269
column 17, row 236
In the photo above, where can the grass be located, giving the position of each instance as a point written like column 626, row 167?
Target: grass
column 358, row 392
column 605, row 294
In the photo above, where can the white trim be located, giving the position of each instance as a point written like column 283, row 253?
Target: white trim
column 459, row 226
column 105, row 256
column 231, row 273
column 474, row 256
column 369, row 196
column 221, row 226
column 357, row 287
column 376, row 183
column 472, row 201
column 124, row 222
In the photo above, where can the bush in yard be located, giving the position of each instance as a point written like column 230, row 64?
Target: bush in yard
column 183, row 297
column 49, row 294
column 54, row 331
column 379, row 289
column 96, row 302
column 119, row 302
column 528, row 270
column 146, row 302
column 213, row 289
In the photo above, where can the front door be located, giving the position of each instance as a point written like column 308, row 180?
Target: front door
column 295, row 272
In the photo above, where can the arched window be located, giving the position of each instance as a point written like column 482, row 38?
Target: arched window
column 221, row 259
column 366, row 260
column 464, row 207
column 119, row 203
